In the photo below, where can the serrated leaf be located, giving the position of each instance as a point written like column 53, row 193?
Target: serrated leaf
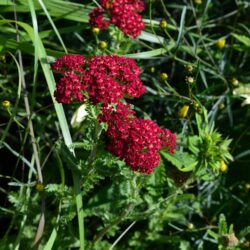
column 244, row 232
column 222, row 225
column 193, row 142
column 183, row 161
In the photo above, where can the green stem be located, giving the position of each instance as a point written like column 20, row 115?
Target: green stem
column 79, row 207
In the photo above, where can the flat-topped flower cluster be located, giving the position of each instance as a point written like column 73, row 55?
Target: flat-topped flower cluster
column 121, row 13
column 108, row 80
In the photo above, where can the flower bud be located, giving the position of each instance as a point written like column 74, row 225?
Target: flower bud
column 189, row 68
column 190, row 226
column 102, row 45
column 183, row 111
column 235, row 81
column 221, row 106
column 163, row 24
column 223, row 166
column 164, row 76
column 221, row 43
column 6, row 104
column 152, row 69
column 198, row 2
column 39, row 187
column 190, row 79
column 95, row 30
column 3, row 59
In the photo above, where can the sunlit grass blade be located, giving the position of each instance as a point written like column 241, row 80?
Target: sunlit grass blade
column 53, row 25
column 181, row 28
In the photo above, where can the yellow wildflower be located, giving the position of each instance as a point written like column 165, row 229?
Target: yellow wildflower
column 183, row 111
column 221, row 43
column 163, row 24
column 102, row 45
column 223, row 166
column 164, row 76
column 95, row 30
column 6, row 104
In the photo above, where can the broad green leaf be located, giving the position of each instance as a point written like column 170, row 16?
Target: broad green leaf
column 243, row 39
column 183, row 161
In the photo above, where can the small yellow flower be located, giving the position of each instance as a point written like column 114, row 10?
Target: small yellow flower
column 190, row 79
column 221, row 43
column 183, row 111
column 235, row 81
column 223, row 166
column 39, row 187
column 6, row 104
column 163, row 24
column 102, row 45
column 152, row 69
column 95, row 30
column 164, row 76
column 198, row 1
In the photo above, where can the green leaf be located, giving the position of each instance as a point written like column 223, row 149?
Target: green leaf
column 183, row 161
column 243, row 39
column 193, row 143
column 244, row 232
column 213, row 234
column 222, row 225
column 147, row 54
column 185, row 245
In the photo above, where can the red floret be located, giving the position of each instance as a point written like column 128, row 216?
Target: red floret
column 69, row 89
column 97, row 20
column 69, row 62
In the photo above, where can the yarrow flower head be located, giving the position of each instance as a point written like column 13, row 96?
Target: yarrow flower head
column 134, row 140
column 119, row 118
column 107, row 80
column 69, row 62
column 122, row 13
column 141, row 145
column 112, row 77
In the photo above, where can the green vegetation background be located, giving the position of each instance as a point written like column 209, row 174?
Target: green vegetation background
column 187, row 201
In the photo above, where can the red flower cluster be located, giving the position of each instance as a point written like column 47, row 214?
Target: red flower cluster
column 106, row 80
column 134, row 140
column 69, row 88
column 122, row 13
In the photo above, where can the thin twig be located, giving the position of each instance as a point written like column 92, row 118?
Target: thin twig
column 119, row 238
